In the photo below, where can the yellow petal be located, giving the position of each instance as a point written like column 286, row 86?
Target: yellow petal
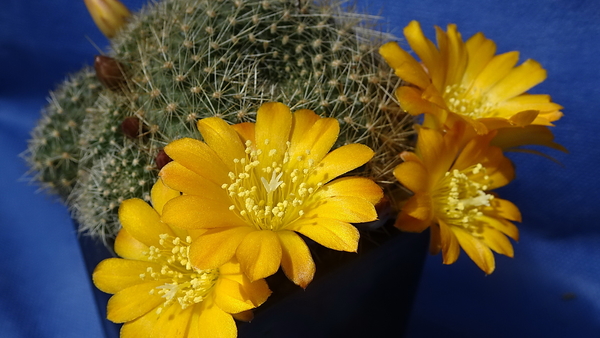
column 142, row 222
column 197, row 212
column 245, row 130
column 498, row 67
column 412, row 101
column 474, row 152
column 435, row 239
column 245, row 316
column 412, row 175
column 173, row 322
column 407, row 223
column 477, row 250
column 198, row 157
column 142, row 327
column 318, row 140
column 128, row 247
column 505, row 209
column 436, row 156
column 419, row 206
column 480, row 51
column 232, row 267
column 538, row 102
column 259, row 254
column 212, row 322
column 340, row 161
column 231, row 297
column 508, row 138
column 344, row 208
column 331, row 233
column 133, row 302
column 519, row 80
column 161, row 194
column 501, row 225
column 524, row 118
column 296, row 260
column 115, row 274
column 257, row 292
column 352, row 186
column 457, row 56
column 432, row 94
column 442, row 41
column 273, row 125
column 406, row 67
column 182, row 179
column 501, row 174
column 302, row 121
column 216, row 246
column 497, row 241
column 450, row 247
column 430, row 146
column 425, row 49
column 109, row 15
column 223, row 139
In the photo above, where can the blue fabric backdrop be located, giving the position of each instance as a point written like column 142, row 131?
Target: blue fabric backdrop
column 550, row 289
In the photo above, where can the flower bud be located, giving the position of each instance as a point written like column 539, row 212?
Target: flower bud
column 109, row 15
column 162, row 159
column 110, row 72
column 131, row 127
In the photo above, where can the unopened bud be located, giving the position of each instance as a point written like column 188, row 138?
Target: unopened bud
column 109, row 15
column 110, row 72
column 131, row 127
column 162, row 159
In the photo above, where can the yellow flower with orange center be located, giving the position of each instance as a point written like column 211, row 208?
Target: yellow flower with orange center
column 254, row 186
column 451, row 177
column 157, row 292
column 467, row 80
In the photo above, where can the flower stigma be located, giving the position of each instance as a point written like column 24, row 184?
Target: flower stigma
column 188, row 285
column 460, row 196
column 270, row 190
column 460, row 101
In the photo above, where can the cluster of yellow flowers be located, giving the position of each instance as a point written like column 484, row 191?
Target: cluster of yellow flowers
column 475, row 107
column 226, row 212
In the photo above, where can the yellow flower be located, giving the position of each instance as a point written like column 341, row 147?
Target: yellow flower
column 253, row 186
column 109, row 15
column 156, row 290
column 467, row 80
column 451, row 176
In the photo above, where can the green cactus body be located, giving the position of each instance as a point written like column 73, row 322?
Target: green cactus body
column 184, row 60
column 54, row 149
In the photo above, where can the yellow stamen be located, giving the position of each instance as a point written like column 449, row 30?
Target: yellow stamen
column 188, row 285
column 462, row 101
column 460, row 196
column 272, row 201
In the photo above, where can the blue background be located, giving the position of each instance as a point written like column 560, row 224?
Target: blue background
column 550, row 289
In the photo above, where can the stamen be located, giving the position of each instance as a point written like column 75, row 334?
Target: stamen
column 464, row 101
column 187, row 285
column 460, row 198
column 266, row 191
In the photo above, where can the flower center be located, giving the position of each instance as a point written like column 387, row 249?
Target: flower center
column 188, row 285
column 270, row 190
column 462, row 101
column 460, row 197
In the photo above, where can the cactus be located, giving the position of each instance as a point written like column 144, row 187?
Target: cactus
column 178, row 61
column 54, row 151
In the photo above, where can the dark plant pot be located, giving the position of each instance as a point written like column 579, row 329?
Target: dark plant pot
column 368, row 294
